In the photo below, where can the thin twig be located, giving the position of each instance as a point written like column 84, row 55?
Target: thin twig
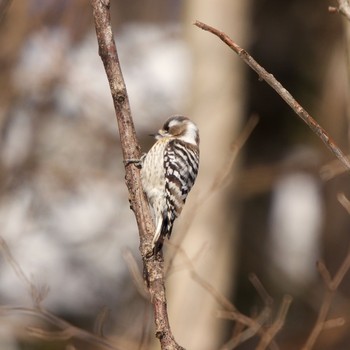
column 144, row 340
column 153, row 267
column 38, row 294
column 266, row 336
column 323, row 271
column 332, row 169
column 224, row 175
column 344, row 202
column 135, row 273
column 270, row 334
column 264, row 295
column 334, row 323
column 65, row 330
column 254, row 325
column 277, row 86
column 4, row 6
column 100, row 321
column 320, row 322
column 331, row 285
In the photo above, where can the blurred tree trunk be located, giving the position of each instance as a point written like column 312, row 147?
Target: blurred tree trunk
column 333, row 111
column 217, row 107
column 14, row 23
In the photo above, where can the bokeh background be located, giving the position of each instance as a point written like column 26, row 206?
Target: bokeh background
column 269, row 211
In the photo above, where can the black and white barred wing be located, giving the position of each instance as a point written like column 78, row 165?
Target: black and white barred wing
column 181, row 162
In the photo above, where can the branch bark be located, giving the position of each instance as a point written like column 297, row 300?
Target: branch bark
column 277, row 86
column 153, row 267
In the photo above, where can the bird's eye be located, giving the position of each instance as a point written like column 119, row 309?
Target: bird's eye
column 166, row 127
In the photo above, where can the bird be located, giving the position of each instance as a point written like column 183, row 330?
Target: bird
column 168, row 172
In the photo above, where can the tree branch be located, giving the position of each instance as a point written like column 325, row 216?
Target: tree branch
column 153, row 267
column 277, row 86
column 332, row 284
column 59, row 328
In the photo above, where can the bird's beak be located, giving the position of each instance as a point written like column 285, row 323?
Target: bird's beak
column 158, row 135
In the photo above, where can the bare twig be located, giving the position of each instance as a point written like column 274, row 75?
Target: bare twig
column 266, row 334
column 332, row 285
column 266, row 298
column 100, row 321
column 38, row 294
column 277, row 86
column 253, row 326
column 65, row 330
column 320, row 322
column 135, row 273
column 322, row 269
column 224, row 175
column 270, row 334
column 332, row 169
column 144, row 340
column 334, row 323
column 344, row 202
column 4, row 6
column 153, row 267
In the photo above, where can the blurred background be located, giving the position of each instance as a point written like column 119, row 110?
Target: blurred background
column 265, row 215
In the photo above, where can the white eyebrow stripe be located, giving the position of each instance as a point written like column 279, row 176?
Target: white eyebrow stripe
column 190, row 135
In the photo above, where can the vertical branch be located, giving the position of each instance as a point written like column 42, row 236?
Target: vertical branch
column 129, row 143
column 131, row 150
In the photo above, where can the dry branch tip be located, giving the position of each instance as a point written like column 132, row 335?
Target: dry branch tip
column 283, row 92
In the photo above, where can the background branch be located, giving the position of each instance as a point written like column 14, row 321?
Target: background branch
column 131, row 150
column 62, row 331
column 277, row 86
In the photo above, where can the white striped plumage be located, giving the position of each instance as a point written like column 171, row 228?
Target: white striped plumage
column 168, row 173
